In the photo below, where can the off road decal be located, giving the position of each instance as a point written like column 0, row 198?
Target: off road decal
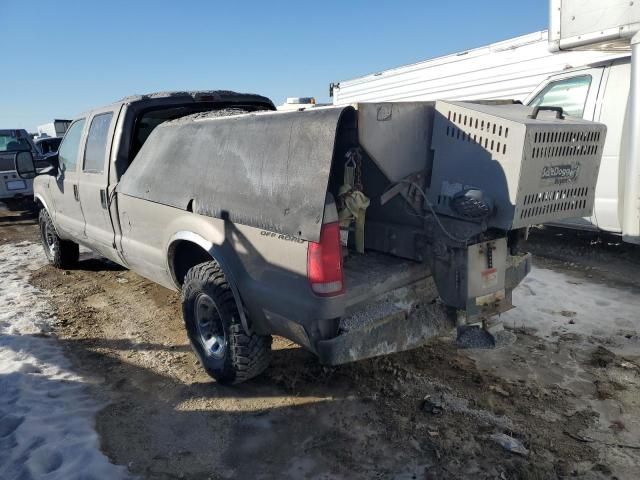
column 279, row 236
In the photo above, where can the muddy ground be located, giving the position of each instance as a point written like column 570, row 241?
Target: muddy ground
column 571, row 399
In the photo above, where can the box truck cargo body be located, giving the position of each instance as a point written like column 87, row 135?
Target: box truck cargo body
column 511, row 69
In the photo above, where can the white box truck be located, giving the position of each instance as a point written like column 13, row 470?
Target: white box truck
column 612, row 26
column 592, row 84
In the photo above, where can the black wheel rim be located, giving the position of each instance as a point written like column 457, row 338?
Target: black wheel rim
column 209, row 326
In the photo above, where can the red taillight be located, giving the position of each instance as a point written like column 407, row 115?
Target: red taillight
column 324, row 262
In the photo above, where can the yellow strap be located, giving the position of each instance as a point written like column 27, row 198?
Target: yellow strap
column 356, row 204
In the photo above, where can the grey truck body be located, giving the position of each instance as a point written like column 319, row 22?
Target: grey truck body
column 163, row 182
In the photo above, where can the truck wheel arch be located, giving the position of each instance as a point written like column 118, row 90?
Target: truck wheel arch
column 42, row 204
column 39, row 200
column 188, row 249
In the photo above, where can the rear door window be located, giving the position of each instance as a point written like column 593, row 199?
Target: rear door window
column 568, row 93
column 97, row 139
column 68, row 153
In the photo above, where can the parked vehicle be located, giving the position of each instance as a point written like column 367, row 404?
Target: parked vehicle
column 335, row 227
column 298, row 103
column 12, row 187
column 47, row 145
column 57, row 128
column 600, row 26
column 598, row 92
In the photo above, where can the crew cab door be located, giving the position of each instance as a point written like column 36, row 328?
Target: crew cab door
column 67, row 212
column 577, row 93
column 614, row 97
column 94, row 181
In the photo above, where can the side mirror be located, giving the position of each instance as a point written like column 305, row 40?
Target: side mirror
column 49, row 163
column 25, row 165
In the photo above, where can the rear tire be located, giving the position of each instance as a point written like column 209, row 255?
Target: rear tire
column 60, row 253
column 213, row 324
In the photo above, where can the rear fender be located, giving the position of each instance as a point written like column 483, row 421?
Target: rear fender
column 216, row 255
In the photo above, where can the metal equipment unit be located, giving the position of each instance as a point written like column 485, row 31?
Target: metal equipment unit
column 531, row 167
column 464, row 180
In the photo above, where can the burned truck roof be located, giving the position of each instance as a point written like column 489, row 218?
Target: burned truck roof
column 221, row 97
column 217, row 96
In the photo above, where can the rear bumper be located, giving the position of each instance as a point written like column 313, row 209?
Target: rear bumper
column 402, row 329
column 402, row 319
column 395, row 333
column 12, row 186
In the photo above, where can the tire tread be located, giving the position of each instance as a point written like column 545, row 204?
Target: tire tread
column 67, row 253
column 250, row 354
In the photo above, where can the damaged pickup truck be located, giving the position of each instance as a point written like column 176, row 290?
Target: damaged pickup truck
column 354, row 231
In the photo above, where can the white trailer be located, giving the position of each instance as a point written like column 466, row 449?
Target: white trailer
column 511, row 69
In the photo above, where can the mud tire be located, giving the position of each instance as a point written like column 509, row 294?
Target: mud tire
column 244, row 356
column 61, row 253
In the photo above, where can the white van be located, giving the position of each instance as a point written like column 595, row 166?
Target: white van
column 598, row 92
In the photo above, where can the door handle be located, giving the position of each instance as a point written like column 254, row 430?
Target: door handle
column 76, row 195
column 103, row 198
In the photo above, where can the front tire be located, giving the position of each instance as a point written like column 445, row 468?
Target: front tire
column 213, row 325
column 60, row 253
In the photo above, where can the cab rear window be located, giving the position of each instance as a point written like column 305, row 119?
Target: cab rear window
column 13, row 143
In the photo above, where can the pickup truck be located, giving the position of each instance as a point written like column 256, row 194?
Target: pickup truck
column 12, row 187
column 353, row 231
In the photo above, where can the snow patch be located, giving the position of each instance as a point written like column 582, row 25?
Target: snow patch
column 554, row 303
column 46, row 411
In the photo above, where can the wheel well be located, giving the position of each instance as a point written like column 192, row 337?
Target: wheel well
column 184, row 255
column 39, row 204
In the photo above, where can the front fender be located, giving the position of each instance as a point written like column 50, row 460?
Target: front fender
column 40, row 198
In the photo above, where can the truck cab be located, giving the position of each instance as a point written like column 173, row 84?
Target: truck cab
column 96, row 151
column 600, row 93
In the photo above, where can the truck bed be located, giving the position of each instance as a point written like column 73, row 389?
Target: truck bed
column 372, row 275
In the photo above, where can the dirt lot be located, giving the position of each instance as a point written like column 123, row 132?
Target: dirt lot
column 569, row 396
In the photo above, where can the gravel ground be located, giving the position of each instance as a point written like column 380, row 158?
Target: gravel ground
column 564, row 396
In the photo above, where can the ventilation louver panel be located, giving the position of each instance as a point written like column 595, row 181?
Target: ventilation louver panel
column 536, row 170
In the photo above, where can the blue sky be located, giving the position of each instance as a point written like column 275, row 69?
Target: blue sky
column 62, row 57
